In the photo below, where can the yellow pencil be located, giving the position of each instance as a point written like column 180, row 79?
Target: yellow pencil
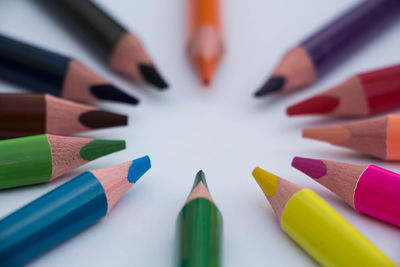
column 316, row 226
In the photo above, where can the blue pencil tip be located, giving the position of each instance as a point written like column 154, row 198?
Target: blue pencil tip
column 138, row 167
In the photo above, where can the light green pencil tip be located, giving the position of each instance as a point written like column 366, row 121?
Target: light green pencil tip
column 99, row 148
column 200, row 177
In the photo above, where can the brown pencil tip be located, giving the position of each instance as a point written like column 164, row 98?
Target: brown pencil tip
column 151, row 75
column 102, row 119
column 331, row 134
column 275, row 83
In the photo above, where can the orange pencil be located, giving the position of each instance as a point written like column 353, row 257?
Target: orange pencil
column 205, row 45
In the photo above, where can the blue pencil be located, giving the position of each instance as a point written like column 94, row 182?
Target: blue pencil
column 65, row 211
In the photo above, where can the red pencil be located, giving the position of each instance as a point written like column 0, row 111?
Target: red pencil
column 360, row 95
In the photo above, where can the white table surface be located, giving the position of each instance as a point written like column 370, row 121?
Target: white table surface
column 222, row 130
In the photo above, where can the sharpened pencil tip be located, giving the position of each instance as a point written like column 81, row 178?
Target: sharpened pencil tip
column 268, row 182
column 314, row 168
column 138, row 167
column 200, row 177
column 96, row 119
column 314, row 105
column 274, row 84
column 99, row 148
column 334, row 134
column 152, row 76
column 206, row 68
column 112, row 93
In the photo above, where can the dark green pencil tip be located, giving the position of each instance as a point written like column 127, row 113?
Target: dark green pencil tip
column 200, row 177
column 98, row 148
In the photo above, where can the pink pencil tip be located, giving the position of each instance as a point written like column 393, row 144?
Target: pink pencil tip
column 314, row 168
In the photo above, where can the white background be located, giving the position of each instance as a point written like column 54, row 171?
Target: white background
column 222, row 130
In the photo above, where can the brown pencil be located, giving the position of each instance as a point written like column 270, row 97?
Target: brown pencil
column 379, row 137
column 31, row 114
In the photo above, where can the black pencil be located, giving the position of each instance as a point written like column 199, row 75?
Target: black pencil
column 48, row 72
column 123, row 50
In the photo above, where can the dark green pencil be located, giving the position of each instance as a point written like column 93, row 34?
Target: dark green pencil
column 199, row 228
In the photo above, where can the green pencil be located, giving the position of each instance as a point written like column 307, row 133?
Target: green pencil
column 42, row 158
column 199, row 228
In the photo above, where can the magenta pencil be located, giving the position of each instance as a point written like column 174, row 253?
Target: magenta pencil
column 367, row 188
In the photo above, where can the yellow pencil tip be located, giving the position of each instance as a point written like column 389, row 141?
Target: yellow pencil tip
column 267, row 181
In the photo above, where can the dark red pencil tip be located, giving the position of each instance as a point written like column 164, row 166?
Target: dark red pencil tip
column 314, row 168
column 315, row 105
column 96, row 119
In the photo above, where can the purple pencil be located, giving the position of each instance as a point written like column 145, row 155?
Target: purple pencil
column 303, row 64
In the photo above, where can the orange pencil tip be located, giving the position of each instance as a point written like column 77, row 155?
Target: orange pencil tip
column 206, row 68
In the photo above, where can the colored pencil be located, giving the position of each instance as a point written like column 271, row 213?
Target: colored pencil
column 360, row 95
column 317, row 227
column 42, row 158
column 32, row 114
column 48, row 72
column 65, row 211
column 379, row 137
column 305, row 63
column 205, row 43
column 199, row 228
column 367, row 188
column 123, row 51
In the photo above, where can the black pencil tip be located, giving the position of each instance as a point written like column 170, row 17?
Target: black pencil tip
column 152, row 76
column 110, row 92
column 274, row 84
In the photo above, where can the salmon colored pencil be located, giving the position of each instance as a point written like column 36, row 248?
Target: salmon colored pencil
column 366, row 188
column 317, row 227
column 379, row 137
column 205, row 44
